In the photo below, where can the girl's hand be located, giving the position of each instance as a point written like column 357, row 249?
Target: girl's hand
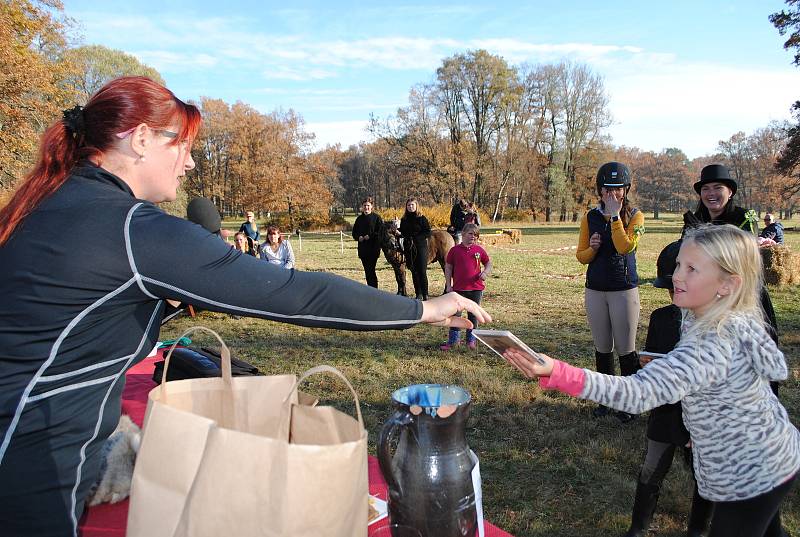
column 482, row 275
column 644, row 359
column 595, row 241
column 528, row 365
column 612, row 205
column 446, row 310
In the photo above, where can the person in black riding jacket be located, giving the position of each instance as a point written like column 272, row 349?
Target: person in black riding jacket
column 368, row 232
column 416, row 230
column 78, row 312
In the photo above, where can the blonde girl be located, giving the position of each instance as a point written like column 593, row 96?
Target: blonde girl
column 746, row 451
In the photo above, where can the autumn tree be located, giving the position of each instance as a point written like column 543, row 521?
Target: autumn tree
column 33, row 37
column 788, row 22
column 96, row 65
column 662, row 180
column 247, row 160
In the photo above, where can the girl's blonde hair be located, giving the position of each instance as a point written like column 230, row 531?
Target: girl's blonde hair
column 736, row 254
column 471, row 227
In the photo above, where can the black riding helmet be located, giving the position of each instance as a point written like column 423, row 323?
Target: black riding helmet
column 613, row 175
column 665, row 265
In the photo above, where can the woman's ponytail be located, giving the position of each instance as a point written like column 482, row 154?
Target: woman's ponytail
column 88, row 133
column 58, row 154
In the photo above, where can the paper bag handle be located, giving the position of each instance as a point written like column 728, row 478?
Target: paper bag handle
column 225, row 357
column 334, row 371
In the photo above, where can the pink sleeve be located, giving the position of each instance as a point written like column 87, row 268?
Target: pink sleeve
column 564, row 378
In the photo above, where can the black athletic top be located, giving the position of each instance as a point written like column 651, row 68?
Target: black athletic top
column 82, row 282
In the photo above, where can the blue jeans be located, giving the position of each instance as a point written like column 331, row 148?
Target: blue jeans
column 455, row 333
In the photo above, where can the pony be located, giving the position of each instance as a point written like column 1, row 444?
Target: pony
column 439, row 243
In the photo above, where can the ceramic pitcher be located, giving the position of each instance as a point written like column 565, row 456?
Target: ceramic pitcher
column 430, row 474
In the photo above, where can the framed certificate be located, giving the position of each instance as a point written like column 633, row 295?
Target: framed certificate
column 502, row 340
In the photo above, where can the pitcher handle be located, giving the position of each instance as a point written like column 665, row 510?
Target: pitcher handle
column 400, row 418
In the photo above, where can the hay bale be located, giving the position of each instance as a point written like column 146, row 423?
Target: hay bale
column 515, row 234
column 495, row 239
column 781, row 265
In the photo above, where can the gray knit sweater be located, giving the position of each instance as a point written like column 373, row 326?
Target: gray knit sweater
column 743, row 442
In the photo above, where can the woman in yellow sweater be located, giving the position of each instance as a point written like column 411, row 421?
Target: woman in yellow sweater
column 607, row 243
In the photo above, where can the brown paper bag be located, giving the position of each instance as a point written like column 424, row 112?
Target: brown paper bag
column 239, row 456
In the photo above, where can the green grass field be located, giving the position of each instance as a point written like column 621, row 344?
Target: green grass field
column 549, row 468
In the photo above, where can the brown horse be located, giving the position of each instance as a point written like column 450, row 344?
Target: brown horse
column 439, row 243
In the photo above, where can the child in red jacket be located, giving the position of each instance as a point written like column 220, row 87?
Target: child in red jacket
column 463, row 274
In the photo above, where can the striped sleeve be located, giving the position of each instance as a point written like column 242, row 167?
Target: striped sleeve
column 690, row 367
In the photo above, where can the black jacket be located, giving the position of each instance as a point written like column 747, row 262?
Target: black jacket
column 663, row 333
column 457, row 215
column 415, row 228
column 773, row 231
column 79, row 311
column 609, row 270
column 735, row 216
column 372, row 225
column 731, row 214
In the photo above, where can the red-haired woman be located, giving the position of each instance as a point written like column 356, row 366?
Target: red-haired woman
column 77, row 312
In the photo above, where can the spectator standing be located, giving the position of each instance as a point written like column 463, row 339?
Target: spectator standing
column 665, row 429
column 717, row 190
column 457, row 214
column 472, row 216
column 416, row 230
column 772, row 229
column 277, row 251
column 463, row 274
column 368, row 232
column 609, row 236
column 250, row 228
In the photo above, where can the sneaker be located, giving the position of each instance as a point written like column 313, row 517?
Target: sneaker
column 445, row 347
column 472, row 345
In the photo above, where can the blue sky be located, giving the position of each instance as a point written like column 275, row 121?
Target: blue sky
column 679, row 73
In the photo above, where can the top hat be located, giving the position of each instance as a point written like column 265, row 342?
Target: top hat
column 665, row 265
column 716, row 173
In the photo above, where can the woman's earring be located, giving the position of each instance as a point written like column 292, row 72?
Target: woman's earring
column 719, row 296
column 141, row 157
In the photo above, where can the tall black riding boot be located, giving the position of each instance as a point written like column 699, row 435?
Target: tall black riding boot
column 604, row 363
column 699, row 516
column 628, row 365
column 643, row 508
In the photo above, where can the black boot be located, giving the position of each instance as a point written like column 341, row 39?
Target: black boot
column 604, row 363
column 643, row 508
column 699, row 516
column 628, row 365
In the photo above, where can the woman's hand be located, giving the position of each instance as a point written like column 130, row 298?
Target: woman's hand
column 612, row 204
column 595, row 241
column 446, row 310
column 645, row 359
column 528, row 365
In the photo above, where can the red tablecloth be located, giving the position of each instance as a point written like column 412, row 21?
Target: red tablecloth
column 107, row 520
